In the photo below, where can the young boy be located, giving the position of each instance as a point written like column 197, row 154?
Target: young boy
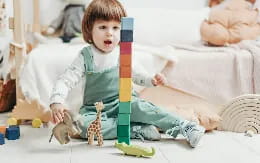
column 98, row 64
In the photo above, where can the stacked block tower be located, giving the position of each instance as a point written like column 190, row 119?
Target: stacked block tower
column 125, row 82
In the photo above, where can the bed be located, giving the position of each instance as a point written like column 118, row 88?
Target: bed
column 173, row 45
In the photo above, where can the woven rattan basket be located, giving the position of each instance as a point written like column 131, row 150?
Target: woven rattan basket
column 242, row 114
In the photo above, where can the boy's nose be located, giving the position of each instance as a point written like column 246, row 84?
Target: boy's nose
column 109, row 32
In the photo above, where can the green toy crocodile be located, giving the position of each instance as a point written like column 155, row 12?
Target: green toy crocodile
column 135, row 150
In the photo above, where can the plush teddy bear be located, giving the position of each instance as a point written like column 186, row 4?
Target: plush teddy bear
column 231, row 22
column 68, row 22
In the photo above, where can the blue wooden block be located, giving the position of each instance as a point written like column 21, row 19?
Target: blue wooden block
column 18, row 128
column 126, row 36
column 125, row 107
column 2, row 139
column 127, row 23
column 12, row 133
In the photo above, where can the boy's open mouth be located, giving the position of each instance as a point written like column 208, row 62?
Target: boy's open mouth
column 108, row 42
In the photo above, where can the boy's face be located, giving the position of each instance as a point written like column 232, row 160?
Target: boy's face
column 106, row 34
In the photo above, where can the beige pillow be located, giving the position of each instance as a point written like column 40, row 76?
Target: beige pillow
column 230, row 24
column 183, row 104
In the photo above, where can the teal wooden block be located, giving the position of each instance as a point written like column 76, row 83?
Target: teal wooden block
column 123, row 119
column 124, row 139
column 127, row 23
column 125, row 107
column 123, row 130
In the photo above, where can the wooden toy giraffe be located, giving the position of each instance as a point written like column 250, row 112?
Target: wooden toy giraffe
column 95, row 126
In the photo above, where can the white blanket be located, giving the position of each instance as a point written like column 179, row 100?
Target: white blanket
column 6, row 62
column 254, row 48
column 216, row 74
column 46, row 62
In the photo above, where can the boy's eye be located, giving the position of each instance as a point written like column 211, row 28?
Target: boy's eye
column 102, row 27
column 116, row 27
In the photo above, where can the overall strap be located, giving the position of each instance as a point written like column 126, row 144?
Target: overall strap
column 88, row 58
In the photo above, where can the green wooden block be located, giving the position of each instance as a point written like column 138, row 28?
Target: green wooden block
column 125, row 107
column 123, row 131
column 124, row 139
column 123, row 119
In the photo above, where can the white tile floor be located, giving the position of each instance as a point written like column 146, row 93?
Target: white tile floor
column 215, row 147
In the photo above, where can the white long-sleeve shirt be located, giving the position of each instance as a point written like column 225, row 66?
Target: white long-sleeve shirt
column 76, row 72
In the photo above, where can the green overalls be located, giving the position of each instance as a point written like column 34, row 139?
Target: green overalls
column 103, row 86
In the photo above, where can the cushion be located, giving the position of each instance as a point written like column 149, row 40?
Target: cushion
column 231, row 23
column 187, row 106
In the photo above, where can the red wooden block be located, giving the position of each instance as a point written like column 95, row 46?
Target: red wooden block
column 125, row 60
column 125, row 72
column 126, row 48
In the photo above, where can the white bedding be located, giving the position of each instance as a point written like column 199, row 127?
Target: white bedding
column 217, row 74
column 46, row 62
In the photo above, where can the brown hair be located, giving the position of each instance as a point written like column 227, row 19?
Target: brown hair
column 100, row 10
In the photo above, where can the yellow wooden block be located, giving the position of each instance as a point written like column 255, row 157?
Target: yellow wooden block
column 124, row 96
column 125, row 84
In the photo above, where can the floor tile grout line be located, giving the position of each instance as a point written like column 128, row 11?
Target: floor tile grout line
column 164, row 155
column 70, row 153
column 244, row 145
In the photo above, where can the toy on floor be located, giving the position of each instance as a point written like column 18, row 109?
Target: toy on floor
column 2, row 129
column 12, row 132
column 242, row 114
column 135, row 150
column 69, row 126
column 125, row 81
column 29, row 110
column 95, row 126
column 12, row 121
column 36, row 123
column 2, row 139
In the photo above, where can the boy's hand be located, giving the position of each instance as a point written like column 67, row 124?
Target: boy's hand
column 57, row 113
column 159, row 79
